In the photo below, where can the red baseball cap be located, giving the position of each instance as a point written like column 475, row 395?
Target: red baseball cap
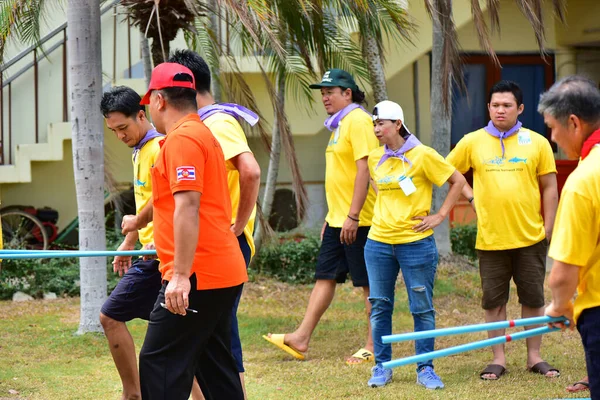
column 163, row 76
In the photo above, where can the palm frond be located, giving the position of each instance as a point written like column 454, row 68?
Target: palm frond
column 440, row 12
column 257, row 19
column 483, row 33
column 532, row 10
column 289, row 149
column 493, row 7
column 162, row 20
column 559, row 9
column 21, row 20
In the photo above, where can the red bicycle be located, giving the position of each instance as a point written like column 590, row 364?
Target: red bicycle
column 28, row 228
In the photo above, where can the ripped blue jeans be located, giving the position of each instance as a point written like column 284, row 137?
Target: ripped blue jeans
column 418, row 263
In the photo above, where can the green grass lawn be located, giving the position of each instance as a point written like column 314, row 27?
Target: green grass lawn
column 41, row 358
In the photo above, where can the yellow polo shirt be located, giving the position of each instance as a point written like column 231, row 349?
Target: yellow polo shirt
column 232, row 139
column 394, row 210
column 506, row 190
column 143, row 161
column 352, row 140
column 576, row 235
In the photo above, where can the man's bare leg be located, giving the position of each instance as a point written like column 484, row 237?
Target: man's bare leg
column 196, row 391
column 320, row 299
column 123, row 352
column 534, row 343
column 495, row 315
column 369, row 343
column 243, row 385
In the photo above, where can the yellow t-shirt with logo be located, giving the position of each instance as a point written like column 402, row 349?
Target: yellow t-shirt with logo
column 143, row 161
column 506, row 190
column 352, row 140
column 232, row 139
column 394, row 210
column 576, row 235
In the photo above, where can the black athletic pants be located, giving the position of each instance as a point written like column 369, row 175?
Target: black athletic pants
column 178, row 347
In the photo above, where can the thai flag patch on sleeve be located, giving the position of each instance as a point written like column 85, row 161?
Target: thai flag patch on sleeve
column 186, row 174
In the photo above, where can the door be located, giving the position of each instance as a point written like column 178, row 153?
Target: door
column 469, row 110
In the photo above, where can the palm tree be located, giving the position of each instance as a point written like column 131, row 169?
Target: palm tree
column 318, row 30
column 85, row 80
column 446, row 71
column 161, row 21
column 375, row 20
column 21, row 19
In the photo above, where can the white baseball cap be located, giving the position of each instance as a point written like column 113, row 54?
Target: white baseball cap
column 388, row 110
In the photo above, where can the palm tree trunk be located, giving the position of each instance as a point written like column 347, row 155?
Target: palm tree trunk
column 85, row 78
column 157, row 53
column 441, row 118
column 216, row 72
column 146, row 60
column 375, row 66
column 273, row 171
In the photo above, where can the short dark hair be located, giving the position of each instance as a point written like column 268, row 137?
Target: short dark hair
column 180, row 98
column 121, row 99
column 197, row 65
column 507, row 86
column 572, row 95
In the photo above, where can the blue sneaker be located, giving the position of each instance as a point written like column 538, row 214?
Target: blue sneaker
column 381, row 376
column 428, row 378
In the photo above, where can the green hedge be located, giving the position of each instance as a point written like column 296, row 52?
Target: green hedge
column 289, row 259
column 462, row 238
column 58, row 275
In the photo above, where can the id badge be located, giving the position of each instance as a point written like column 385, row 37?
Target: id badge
column 524, row 138
column 407, row 186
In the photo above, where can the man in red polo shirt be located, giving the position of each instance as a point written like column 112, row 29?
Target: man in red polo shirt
column 202, row 266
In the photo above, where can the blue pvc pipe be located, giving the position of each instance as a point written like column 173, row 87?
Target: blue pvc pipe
column 457, row 330
column 467, row 347
column 29, row 254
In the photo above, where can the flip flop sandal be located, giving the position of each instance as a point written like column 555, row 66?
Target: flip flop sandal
column 495, row 369
column 277, row 340
column 543, row 368
column 362, row 355
column 575, row 389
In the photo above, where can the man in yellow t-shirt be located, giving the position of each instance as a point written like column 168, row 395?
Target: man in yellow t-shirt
column 350, row 202
column 138, row 289
column 510, row 165
column 571, row 109
column 243, row 171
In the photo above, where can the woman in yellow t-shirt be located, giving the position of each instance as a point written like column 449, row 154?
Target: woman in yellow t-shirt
column 403, row 172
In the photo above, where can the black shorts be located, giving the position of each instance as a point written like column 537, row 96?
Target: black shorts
column 335, row 259
column 135, row 293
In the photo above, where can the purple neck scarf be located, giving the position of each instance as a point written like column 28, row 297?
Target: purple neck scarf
column 333, row 121
column 409, row 144
column 235, row 110
column 492, row 130
column 151, row 134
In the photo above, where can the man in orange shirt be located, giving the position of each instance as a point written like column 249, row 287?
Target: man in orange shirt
column 202, row 266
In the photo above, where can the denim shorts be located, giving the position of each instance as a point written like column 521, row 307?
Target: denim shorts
column 336, row 259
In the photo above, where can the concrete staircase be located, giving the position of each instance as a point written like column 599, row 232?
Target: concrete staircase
column 25, row 154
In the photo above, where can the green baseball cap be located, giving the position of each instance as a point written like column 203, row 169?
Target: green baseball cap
column 334, row 78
